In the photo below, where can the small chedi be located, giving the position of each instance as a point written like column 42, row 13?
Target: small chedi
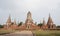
column 49, row 25
column 29, row 24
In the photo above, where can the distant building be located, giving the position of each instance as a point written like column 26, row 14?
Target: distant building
column 10, row 25
column 29, row 24
column 50, row 23
column 44, row 25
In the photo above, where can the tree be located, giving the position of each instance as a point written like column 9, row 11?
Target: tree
column 40, row 24
column 19, row 24
column 58, row 26
column 12, row 23
column 1, row 26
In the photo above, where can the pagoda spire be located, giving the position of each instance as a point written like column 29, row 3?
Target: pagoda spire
column 50, row 22
column 29, row 16
column 9, row 19
column 8, row 23
column 44, row 21
column 29, row 20
column 15, row 22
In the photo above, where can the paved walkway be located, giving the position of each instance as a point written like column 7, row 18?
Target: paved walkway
column 21, row 33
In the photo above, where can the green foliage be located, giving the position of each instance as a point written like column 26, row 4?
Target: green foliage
column 40, row 24
column 1, row 26
column 58, row 26
column 20, row 23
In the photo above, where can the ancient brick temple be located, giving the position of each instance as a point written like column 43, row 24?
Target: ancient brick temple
column 49, row 24
column 29, row 24
column 10, row 25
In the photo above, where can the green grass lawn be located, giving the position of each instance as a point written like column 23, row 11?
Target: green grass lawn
column 2, row 31
column 47, row 32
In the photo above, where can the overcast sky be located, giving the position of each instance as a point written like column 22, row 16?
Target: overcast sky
column 39, row 8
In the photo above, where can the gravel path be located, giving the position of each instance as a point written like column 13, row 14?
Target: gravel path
column 21, row 33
